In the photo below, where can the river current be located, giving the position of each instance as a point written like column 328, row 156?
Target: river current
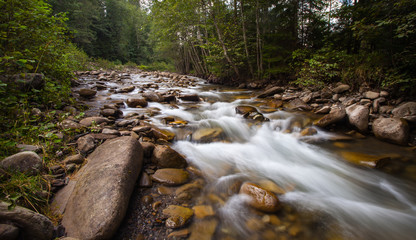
column 326, row 196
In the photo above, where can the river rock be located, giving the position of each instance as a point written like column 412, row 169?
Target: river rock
column 206, row 135
column 137, row 102
column 109, row 131
column 189, row 191
column 25, row 162
column 336, row 114
column 99, row 201
column 261, row 199
column 323, row 110
column 406, row 111
column 148, row 149
column 298, row 104
column 371, row 95
column 171, row 176
column 341, row 88
column 145, row 180
column 86, row 143
column 27, row 147
column 203, row 211
column 165, row 157
column 366, row 160
column 393, row 130
column 178, row 216
column 308, row 132
column 127, row 89
column 69, row 124
column 96, row 120
column 32, row 225
column 87, row 93
column 245, row 109
column 203, row 230
column 190, row 97
column 152, row 96
column 358, row 116
column 271, row 91
column 109, row 112
column 8, row 232
column 77, row 159
column 180, row 234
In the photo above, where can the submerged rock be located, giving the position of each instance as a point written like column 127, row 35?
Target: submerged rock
column 178, row 216
column 207, row 135
column 100, row 197
column 203, row 230
column 261, row 199
column 366, row 160
column 245, row 109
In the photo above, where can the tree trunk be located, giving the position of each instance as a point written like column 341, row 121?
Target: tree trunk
column 258, row 43
column 243, row 23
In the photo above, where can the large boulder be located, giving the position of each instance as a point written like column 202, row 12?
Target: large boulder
column 260, row 198
column 271, row 91
column 165, row 157
column 32, row 225
column 8, row 232
column 394, row 130
column 100, row 197
column 406, row 111
column 336, row 114
column 25, row 162
column 358, row 116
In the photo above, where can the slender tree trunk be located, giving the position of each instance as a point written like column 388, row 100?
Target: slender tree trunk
column 224, row 48
column 258, row 43
column 243, row 23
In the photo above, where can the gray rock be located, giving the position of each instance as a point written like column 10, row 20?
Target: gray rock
column 376, row 104
column 384, row 94
column 394, row 130
column 189, row 97
column 271, row 91
column 86, row 143
column 109, row 112
column 406, row 111
column 100, row 198
column 137, row 102
column 165, row 157
column 336, row 114
column 358, row 116
column 8, row 232
column 371, row 95
column 32, row 148
column 96, row 120
column 69, row 124
column 298, row 104
column 77, row 159
column 152, row 96
column 87, row 93
column 27, row 162
column 32, row 225
column 110, row 131
column 341, row 88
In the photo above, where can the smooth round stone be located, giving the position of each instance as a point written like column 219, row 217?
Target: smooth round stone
column 177, row 216
column 171, row 176
column 261, row 199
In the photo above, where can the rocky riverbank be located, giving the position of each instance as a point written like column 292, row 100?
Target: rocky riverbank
column 118, row 156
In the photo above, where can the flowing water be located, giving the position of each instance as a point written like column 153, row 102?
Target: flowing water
column 325, row 196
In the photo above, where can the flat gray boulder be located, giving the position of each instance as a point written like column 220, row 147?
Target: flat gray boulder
column 25, row 162
column 32, row 225
column 100, row 197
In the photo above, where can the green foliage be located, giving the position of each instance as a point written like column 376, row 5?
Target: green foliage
column 23, row 190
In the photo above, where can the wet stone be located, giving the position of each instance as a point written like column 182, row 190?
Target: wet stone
column 203, row 211
column 145, row 180
column 179, row 234
column 203, row 230
column 261, row 199
column 178, row 216
column 171, row 176
column 165, row 157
